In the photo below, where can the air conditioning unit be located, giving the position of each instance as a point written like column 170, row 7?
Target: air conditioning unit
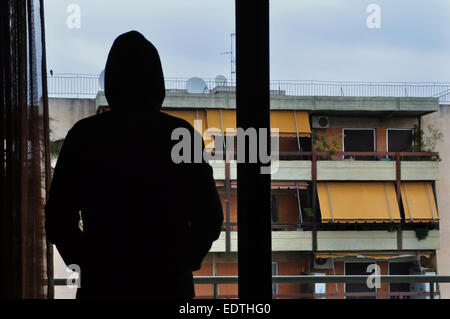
column 322, row 263
column 320, row 122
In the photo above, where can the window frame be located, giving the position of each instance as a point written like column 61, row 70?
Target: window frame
column 359, row 129
column 345, row 273
column 398, row 129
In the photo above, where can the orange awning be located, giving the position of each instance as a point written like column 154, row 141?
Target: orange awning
column 379, row 255
column 358, row 202
column 221, row 119
column 191, row 116
column 289, row 122
column 419, row 203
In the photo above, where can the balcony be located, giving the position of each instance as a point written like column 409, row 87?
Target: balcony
column 299, row 231
column 384, row 168
column 344, row 240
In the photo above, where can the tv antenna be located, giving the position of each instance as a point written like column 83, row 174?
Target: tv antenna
column 232, row 56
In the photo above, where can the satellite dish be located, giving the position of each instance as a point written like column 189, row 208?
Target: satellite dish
column 221, row 80
column 196, row 85
column 101, row 80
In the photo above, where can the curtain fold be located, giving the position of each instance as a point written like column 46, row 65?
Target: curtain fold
column 26, row 257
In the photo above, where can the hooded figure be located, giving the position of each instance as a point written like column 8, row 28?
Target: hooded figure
column 147, row 221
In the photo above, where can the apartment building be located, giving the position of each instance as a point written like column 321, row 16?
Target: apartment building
column 361, row 198
column 348, row 192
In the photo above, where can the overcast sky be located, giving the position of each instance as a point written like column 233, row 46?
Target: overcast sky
column 310, row 39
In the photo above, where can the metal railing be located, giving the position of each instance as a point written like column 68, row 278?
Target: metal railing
column 313, row 223
column 311, row 279
column 87, row 85
column 73, row 85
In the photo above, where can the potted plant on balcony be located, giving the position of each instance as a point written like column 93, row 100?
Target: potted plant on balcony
column 322, row 144
column 425, row 143
column 421, row 233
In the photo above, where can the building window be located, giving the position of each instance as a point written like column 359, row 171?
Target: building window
column 358, row 269
column 274, row 273
column 274, row 208
column 359, row 140
column 399, row 140
column 399, row 269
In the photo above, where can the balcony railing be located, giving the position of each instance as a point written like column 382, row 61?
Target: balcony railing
column 313, row 223
column 310, row 279
column 87, row 85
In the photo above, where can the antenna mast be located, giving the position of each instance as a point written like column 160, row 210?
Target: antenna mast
column 232, row 57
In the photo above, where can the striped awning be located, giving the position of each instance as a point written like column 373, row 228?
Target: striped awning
column 419, row 202
column 358, row 202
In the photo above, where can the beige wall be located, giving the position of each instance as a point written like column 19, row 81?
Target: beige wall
column 64, row 113
column 372, row 122
column 61, row 271
column 441, row 120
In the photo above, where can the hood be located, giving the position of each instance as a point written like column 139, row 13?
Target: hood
column 134, row 78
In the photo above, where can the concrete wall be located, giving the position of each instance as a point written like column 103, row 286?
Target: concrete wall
column 372, row 122
column 441, row 120
column 344, row 170
column 406, row 105
column 340, row 240
column 65, row 112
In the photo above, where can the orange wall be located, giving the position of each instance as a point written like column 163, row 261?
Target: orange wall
column 333, row 287
column 381, row 139
column 233, row 208
column 384, row 269
column 337, row 132
column 331, row 134
column 227, row 269
column 284, row 268
column 287, row 208
column 288, row 144
column 204, row 290
column 290, row 269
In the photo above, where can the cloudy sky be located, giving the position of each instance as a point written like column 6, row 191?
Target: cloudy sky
column 310, row 39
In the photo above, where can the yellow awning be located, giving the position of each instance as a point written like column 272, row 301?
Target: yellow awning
column 372, row 202
column 336, row 255
column 289, row 122
column 380, row 255
column 221, row 119
column 419, row 203
column 190, row 116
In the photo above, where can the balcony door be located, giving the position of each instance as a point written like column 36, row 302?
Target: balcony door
column 359, row 140
column 358, row 268
column 399, row 140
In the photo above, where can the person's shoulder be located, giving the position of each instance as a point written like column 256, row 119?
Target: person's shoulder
column 175, row 122
column 90, row 122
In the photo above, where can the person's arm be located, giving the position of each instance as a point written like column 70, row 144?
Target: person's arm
column 207, row 216
column 62, row 208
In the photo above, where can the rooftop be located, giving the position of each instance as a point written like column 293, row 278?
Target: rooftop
column 373, row 106
column 87, row 85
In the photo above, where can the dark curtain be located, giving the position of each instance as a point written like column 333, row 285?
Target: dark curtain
column 25, row 256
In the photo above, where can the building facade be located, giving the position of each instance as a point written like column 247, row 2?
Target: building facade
column 349, row 191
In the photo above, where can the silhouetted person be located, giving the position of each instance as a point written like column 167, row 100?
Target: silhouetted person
column 147, row 222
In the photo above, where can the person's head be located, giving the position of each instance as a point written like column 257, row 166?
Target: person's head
column 133, row 74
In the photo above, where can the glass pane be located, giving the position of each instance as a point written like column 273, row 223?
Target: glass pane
column 195, row 39
column 352, row 67
column 400, row 140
